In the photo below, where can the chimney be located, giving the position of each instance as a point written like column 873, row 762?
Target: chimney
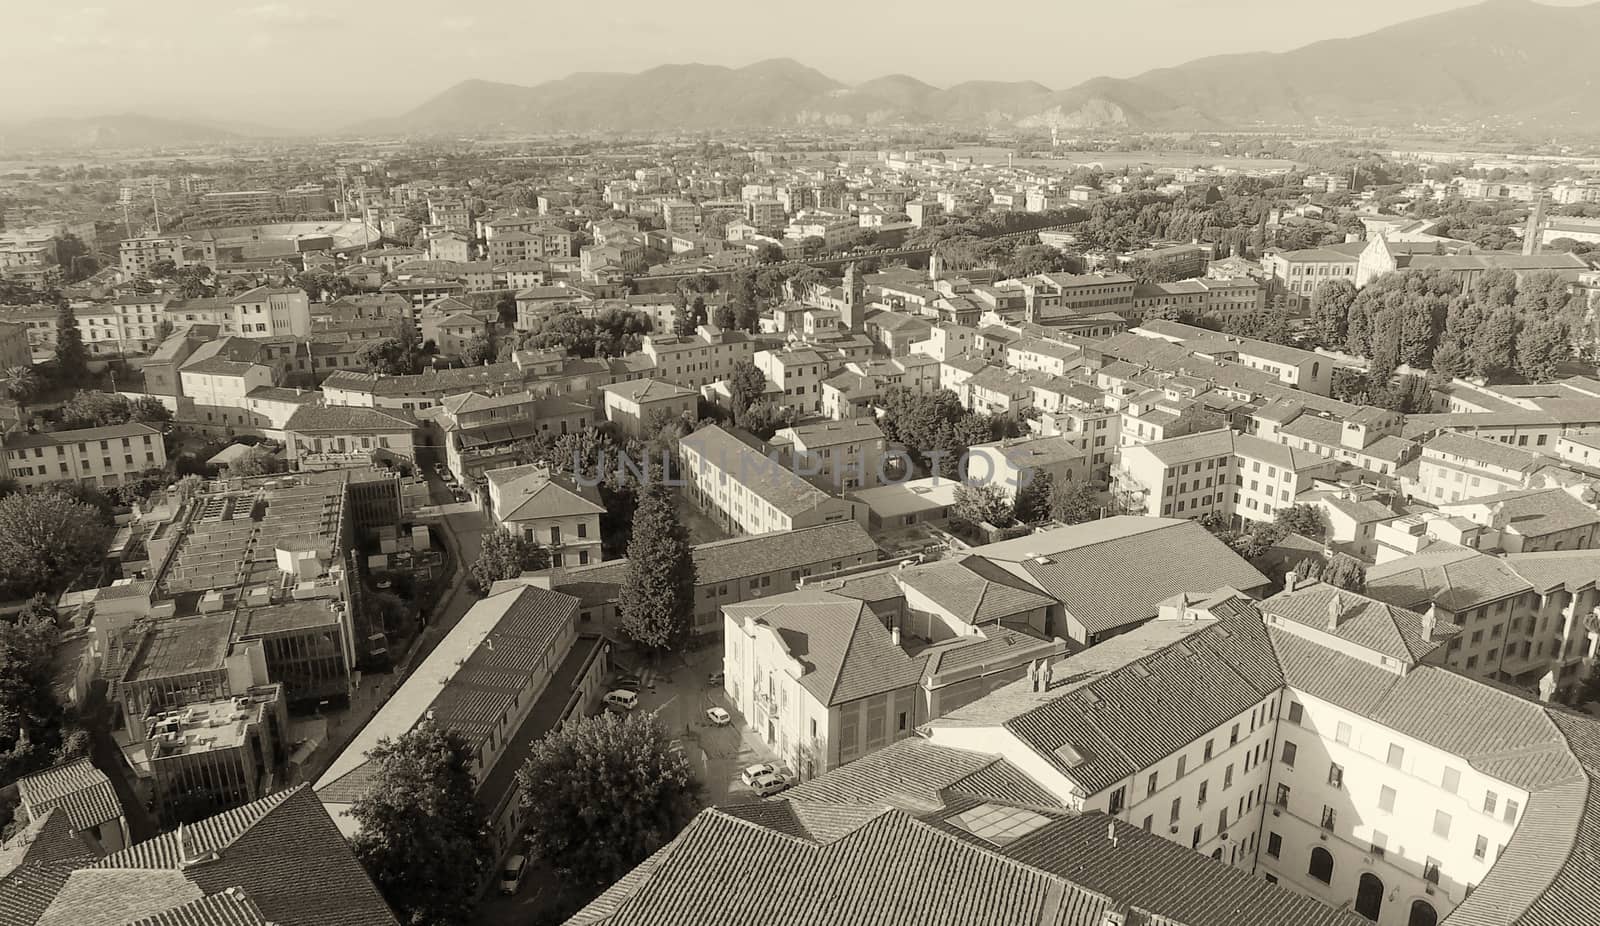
column 1111, row 832
column 1033, row 673
column 1335, row 608
column 894, row 635
column 1289, row 579
column 1045, row 673
column 1429, row 623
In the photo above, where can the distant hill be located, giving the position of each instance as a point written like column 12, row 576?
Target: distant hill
column 1505, row 59
column 123, row 131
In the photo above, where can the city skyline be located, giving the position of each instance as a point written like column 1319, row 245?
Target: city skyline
column 173, row 58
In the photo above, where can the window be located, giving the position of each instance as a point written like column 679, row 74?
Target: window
column 1480, row 848
column 1147, row 822
column 1296, row 711
column 1451, row 780
column 1380, row 844
column 1202, row 798
column 1341, row 734
column 1511, row 811
column 1150, row 786
column 1289, row 750
column 1208, row 751
column 1182, row 762
column 1386, row 799
column 1233, row 738
column 1282, row 798
column 1222, row 820
column 1321, row 865
column 1430, row 871
column 1441, row 824
column 1119, row 797
column 1397, row 755
column 1177, row 809
column 1274, row 845
column 1227, row 778
column 1335, row 775
column 1489, row 800
column 1329, row 817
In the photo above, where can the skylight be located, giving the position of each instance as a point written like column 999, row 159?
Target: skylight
column 1069, row 755
column 998, row 824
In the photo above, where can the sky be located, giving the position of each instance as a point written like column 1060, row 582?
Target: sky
column 312, row 64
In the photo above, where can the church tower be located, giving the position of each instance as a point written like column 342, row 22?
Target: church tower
column 1533, row 235
column 855, row 299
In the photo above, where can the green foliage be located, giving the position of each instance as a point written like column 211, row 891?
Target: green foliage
column 983, row 503
column 1032, row 503
column 257, row 461
column 601, row 794
column 72, row 358
column 612, row 333
column 87, row 409
column 423, row 837
column 35, row 730
column 47, row 540
column 934, row 428
column 479, row 350
column 656, row 603
column 1251, row 541
column 1073, row 502
column 1340, row 570
column 391, row 357
column 1304, row 520
column 505, row 555
column 22, row 384
column 1330, row 310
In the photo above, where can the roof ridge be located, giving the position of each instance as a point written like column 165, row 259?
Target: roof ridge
column 850, row 644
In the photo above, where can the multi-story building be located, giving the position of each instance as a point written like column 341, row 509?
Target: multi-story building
column 1056, row 295
column 1295, row 275
column 706, row 357
column 1459, row 466
column 1217, row 472
column 559, row 513
column 102, row 456
column 842, row 455
column 337, row 437
column 1531, row 520
column 1015, row 463
column 798, row 372
column 208, row 756
column 748, row 492
column 138, row 255
column 633, row 405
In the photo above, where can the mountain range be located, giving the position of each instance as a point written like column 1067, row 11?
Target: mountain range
column 1517, row 63
column 1500, row 60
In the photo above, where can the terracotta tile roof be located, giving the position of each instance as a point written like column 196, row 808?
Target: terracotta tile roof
column 228, row 908
column 1393, row 631
column 1453, row 577
column 974, row 589
column 82, row 791
column 1573, row 570
column 912, row 774
column 1533, row 512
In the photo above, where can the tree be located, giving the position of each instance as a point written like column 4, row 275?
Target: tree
column 257, row 461
column 1073, row 502
column 656, row 602
column 479, row 350
column 47, row 540
column 1032, row 503
column 505, row 555
column 1542, row 344
column 746, row 385
column 1304, row 520
column 423, row 837
column 603, row 793
column 22, row 384
column 1494, row 344
column 1341, row 571
column 391, row 357
column 984, row 503
column 34, row 729
column 72, row 359
column 726, row 317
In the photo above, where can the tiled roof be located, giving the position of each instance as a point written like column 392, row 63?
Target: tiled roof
column 82, row 791
column 1482, row 450
column 763, row 477
column 1534, row 512
column 529, row 493
column 844, row 647
column 231, row 907
column 1454, row 578
column 1383, row 628
column 911, row 774
column 974, row 589
column 349, row 418
column 1573, row 570
column 1116, row 571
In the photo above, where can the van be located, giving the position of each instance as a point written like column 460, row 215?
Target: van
column 511, row 875
column 622, row 700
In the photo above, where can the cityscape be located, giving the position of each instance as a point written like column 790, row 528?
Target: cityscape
column 709, row 472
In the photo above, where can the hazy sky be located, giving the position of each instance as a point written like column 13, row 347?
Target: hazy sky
column 315, row 63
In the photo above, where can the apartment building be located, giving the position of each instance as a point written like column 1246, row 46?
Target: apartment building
column 83, row 795
column 209, row 756
column 705, row 357
column 1531, row 520
column 1295, row 275
column 1060, row 295
column 137, row 255
column 842, row 454
column 1217, row 472
column 550, row 508
column 102, row 456
column 798, row 372
column 335, row 437
column 1459, row 466
column 1014, row 463
column 633, row 405
column 747, row 492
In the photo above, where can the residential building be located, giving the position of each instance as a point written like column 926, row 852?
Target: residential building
column 511, row 670
column 1295, row 275
column 798, row 372
column 706, row 357
column 634, row 404
column 553, row 509
column 1015, row 463
column 102, row 456
column 841, row 455
column 748, row 492
column 335, row 437
column 1459, row 466
column 1217, row 472
column 1531, row 520
column 83, row 796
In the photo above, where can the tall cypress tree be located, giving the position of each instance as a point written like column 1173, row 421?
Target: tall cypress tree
column 72, row 361
column 657, row 597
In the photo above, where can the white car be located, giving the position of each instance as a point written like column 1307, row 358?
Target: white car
column 622, row 700
column 749, row 775
column 718, row 716
column 768, row 785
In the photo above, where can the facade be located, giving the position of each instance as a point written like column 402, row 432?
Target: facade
column 842, row 455
column 706, row 357
column 747, row 492
column 333, row 437
column 1459, row 466
column 209, row 756
column 632, row 405
column 563, row 516
column 1217, row 472
column 103, row 456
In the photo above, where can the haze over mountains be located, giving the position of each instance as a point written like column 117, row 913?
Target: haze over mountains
column 1503, row 58
column 1509, row 60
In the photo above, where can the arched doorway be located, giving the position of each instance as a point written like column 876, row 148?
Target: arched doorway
column 1422, row 914
column 1369, row 896
column 1321, row 865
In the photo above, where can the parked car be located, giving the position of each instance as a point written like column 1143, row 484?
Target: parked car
column 620, row 700
column 631, row 682
column 715, row 679
column 750, row 774
column 718, row 716
column 511, row 875
column 768, row 785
